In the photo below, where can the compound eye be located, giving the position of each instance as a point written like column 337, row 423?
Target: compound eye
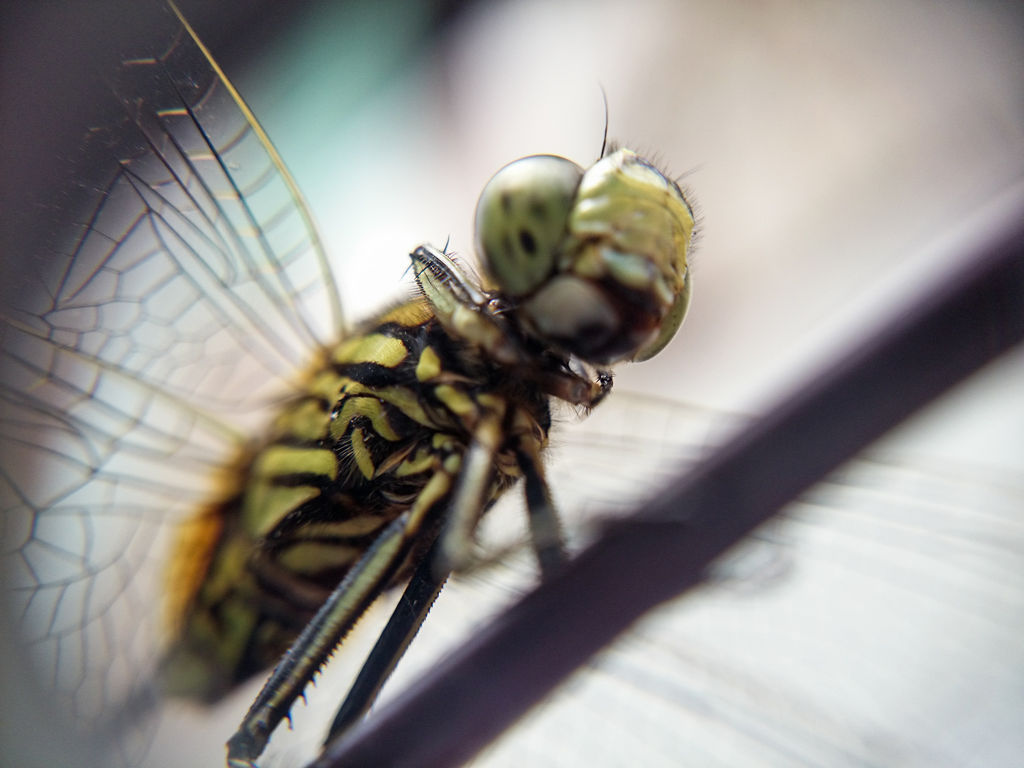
column 521, row 220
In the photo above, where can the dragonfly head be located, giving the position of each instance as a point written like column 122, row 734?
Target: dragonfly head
column 594, row 261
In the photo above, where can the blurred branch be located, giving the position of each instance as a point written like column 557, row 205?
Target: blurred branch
column 469, row 698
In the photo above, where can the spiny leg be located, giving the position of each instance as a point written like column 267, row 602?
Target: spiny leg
column 405, row 622
column 350, row 599
column 428, row 579
column 471, row 496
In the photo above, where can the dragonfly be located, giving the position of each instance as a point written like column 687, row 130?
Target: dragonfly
column 174, row 463
column 196, row 300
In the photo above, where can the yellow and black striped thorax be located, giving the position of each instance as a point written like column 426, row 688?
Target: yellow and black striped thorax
column 387, row 413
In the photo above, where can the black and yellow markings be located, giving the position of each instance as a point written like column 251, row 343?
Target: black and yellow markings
column 367, row 407
column 411, row 314
column 424, row 458
column 381, row 384
column 311, row 557
column 428, row 367
column 381, row 349
column 306, row 420
column 401, row 397
column 455, row 400
column 283, row 478
column 361, row 453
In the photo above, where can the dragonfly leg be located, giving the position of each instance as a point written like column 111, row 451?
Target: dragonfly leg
column 405, row 622
column 474, row 491
column 545, row 527
column 448, row 550
column 350, row 599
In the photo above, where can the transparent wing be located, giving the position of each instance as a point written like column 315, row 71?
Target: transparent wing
column 139, row 358
column 197, row 254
